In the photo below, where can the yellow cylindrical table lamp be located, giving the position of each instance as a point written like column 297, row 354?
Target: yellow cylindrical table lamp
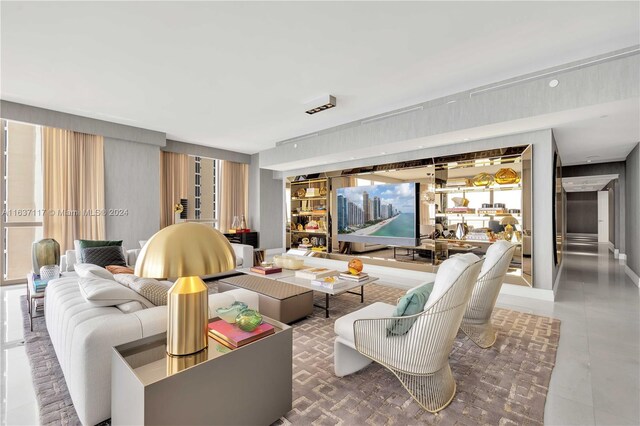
column 188, row 251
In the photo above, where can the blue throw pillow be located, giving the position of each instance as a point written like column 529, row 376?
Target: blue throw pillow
column 410, row 304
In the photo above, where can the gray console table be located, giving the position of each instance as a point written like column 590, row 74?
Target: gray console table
column 250, row 385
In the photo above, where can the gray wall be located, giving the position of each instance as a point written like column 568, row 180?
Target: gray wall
column 633, row 210
column 617, row 236
column 266, row 205
column 582, row 212
column 132, row 182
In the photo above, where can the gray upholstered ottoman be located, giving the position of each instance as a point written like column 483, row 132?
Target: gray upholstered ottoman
column 281, row 301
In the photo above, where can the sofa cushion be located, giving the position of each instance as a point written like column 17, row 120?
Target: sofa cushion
column 79, row 245
column 88, row 270
column 103, row 256
column 344, row 325
column 447, row 275
column 151, row 289
column 101, row 292
column 71, row 260
column 130, row 307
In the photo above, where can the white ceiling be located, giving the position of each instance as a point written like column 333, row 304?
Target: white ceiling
column 237, row 75
column 587, row 183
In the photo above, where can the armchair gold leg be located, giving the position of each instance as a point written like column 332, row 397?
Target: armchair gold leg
column 482, row 334
column 433, row 392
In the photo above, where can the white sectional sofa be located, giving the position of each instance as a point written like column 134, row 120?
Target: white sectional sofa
column 83, row 333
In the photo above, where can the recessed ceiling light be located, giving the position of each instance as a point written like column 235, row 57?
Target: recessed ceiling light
column 383, row 153
column 452, row 101
column 554, row 83
column 420, row 146
column 295, row 145
column 466, row 139
column 353, row 158
column 588, row 161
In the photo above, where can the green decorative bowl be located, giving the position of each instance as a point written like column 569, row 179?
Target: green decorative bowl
column 231, row 313
column 248, row 320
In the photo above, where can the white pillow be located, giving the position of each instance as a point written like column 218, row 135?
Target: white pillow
column 448, row 274
column 130, row 307
column 101, row 292
column 71, row 260
column 88, row 270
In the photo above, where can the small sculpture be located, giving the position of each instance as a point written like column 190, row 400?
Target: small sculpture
column 355, row 266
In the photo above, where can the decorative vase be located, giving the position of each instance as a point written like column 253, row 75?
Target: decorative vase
column 236, row 223
column 45, row 252
column 482, row 179
column 461, row 231
column 230, row 313
column 506, row 176
column 243, row 222
column 248, row 320
column 49, row 272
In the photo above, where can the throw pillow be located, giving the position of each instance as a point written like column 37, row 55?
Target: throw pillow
column 153, row 290
column 71, row 260
column 410, row 304
column 83, row 244
column 86, row 270
column 130, row 307
column 117, row 269
column 101, row 292
column 103, row 256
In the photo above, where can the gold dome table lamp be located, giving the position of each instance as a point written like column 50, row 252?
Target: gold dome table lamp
column 189, row 251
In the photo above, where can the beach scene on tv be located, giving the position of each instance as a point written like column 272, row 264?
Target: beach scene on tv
column 386, row 210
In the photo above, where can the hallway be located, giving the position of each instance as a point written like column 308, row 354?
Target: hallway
column 597, row 376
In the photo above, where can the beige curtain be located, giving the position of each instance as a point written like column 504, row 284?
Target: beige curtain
column 174, row 169
column 234, row 193
column 73, row 183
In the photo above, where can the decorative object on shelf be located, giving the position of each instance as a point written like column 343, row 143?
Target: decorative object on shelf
column 514, row 211
column 305, row 240
column 355, row 266
column 518, row 235
column 230, row 313
column 189, row 251
column 314, row 241
column 301, row 192
column 460, row 201
column 506, row 176
column 458, row 182
column 323, row 191
column 248, row 320
column 243, row 222
column 49, row 272
column 44, row 252
column 178, row 208
column 312, row 225
column 235, row 223
column 461, row 231
column 508, row 222
column 482, row 179
column 312, row 192
column 300, row 227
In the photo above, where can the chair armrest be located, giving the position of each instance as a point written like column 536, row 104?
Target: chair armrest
column 245, row 252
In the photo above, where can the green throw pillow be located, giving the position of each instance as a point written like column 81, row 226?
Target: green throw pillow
column 94, row 243
column 410, row 304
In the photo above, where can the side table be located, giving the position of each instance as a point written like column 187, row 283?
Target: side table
column 32, row 296
column 250, row 385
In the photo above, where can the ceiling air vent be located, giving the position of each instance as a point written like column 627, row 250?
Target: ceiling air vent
column 320, row 104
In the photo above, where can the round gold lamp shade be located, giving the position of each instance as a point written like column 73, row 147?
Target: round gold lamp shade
column 187, row 251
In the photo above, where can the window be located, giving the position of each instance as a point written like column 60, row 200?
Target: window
column 22, row 199
column 202, row 189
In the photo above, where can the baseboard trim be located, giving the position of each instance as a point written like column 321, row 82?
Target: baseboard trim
column 634, row 277
column 555, row 283
column 616, row 254
column 622, row 257
column 611, row 246
column 533, row 293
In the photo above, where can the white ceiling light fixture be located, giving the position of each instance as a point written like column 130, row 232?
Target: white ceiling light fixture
column 322, row 103
column 554, row 83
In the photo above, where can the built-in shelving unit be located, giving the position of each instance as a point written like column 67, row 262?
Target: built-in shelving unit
column 308, row 211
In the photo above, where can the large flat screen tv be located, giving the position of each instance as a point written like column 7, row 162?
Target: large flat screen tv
column 379, row 214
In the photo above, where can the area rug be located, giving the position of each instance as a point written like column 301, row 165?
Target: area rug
column 505, row 384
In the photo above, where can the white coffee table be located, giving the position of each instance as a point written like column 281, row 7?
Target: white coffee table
column 302, row 282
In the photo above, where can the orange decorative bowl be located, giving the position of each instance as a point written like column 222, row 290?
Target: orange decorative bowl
column 506, row 176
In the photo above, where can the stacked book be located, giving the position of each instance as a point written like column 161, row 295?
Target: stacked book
column 332, row 282
column 232, row 336
column 39, row 285
column 315, row 273
column 266, row 270
column 346, row 275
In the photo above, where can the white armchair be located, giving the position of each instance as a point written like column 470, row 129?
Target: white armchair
column 419, row 358
column 476, row 322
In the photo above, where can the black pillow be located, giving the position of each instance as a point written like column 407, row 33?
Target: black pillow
column 103, row 256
